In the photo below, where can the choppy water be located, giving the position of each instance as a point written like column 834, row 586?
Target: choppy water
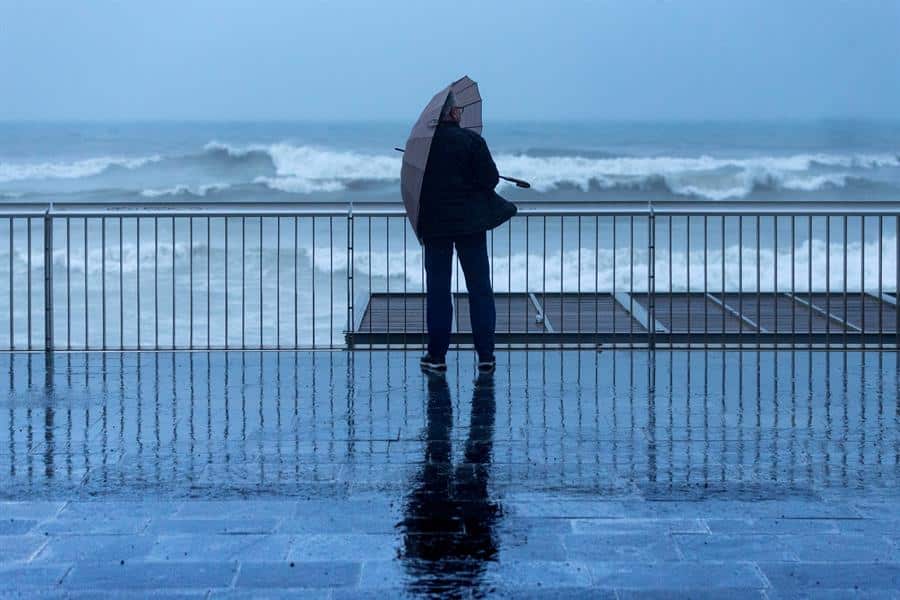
column 356, row 161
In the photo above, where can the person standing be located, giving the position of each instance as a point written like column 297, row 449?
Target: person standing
column 458, row 207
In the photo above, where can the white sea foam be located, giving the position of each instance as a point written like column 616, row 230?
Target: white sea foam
column 549, row 272
column 815, row 182
column 68, row 170
column 307, row 169
column 705, row 176
column 301, row 185
column 180, row 190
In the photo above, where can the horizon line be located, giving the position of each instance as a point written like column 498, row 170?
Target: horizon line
column 635, row 120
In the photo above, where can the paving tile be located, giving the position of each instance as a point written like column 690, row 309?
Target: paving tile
column 36, row 510
column 348, row 516
column 631, row 547
column 255, row 508
column 534, row 546
column 116, row 594
column 391, row 574
column 95, row 525
column 442, row 585
column 298, row 574
column 843, row 547
column 151, row 576
column 814, row 577
column 772, row 509
column 679, row 575
column 426, row 577
column 400, row 473
column 16, row 526
column 775, row 526
column 542, row 593
column 94, row 548
column 697, row 594
column 729, row 547
column 218, row 473
column 533, row 573
column 835, row 594
column 118, row 509
column 444, row 524
column 876, row 527
column 205, row 547
column 430, row 577
column 544, row 525
column 14, row 578
column 373, row 594
column 273, row 594
column 14, row 548
column 235, row 525
column 637, row 526
column 561, row 508
column 877, row 508
column 344, row 547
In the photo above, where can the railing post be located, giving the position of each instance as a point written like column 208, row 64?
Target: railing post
column 651, row 276
column 351, row 323
column 48, row 282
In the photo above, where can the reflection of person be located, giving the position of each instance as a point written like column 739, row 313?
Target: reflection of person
column 449, row 518
column 458, row 206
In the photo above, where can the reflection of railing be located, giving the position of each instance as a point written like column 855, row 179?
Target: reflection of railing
column 678, row 425
column 200, row 276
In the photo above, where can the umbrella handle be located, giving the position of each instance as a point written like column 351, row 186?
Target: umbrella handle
column 519, row 182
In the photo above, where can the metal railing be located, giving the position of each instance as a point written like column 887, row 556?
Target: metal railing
column 268, row 276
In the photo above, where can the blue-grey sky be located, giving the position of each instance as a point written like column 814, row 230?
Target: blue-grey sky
column 355, row 59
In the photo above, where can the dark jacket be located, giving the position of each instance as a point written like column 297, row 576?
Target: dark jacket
column 458, row 195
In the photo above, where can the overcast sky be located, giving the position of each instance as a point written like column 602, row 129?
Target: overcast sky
column 354, row 59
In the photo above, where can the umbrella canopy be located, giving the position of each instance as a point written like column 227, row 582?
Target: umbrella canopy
column 415, row 156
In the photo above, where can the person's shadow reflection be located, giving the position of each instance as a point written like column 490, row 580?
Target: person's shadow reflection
column 449, row 527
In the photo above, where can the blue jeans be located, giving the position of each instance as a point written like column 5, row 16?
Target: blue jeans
column 473, row 258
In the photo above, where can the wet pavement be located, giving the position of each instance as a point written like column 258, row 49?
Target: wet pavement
column 339, row 475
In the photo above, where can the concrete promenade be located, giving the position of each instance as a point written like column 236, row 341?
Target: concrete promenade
column 352, row 475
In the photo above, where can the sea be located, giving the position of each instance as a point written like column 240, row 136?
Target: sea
column 171, row 163
column 356, row 161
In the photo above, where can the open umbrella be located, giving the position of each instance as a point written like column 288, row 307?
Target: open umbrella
column 415, row 155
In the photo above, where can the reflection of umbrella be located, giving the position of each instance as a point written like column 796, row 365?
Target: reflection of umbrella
column 415, row 156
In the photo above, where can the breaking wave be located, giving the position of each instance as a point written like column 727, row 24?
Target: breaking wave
column 69, row 170
column 304, row 169
column 704, row 177
column 199, row 191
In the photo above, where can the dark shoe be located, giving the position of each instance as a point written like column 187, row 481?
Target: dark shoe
column 487, row 367
column 433, row 364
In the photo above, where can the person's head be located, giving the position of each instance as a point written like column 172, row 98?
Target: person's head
column 450, row 111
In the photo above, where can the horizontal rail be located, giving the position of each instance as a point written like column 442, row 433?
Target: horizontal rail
column 694, row 207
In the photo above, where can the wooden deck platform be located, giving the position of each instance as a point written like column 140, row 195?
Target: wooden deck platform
column 834, row 319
